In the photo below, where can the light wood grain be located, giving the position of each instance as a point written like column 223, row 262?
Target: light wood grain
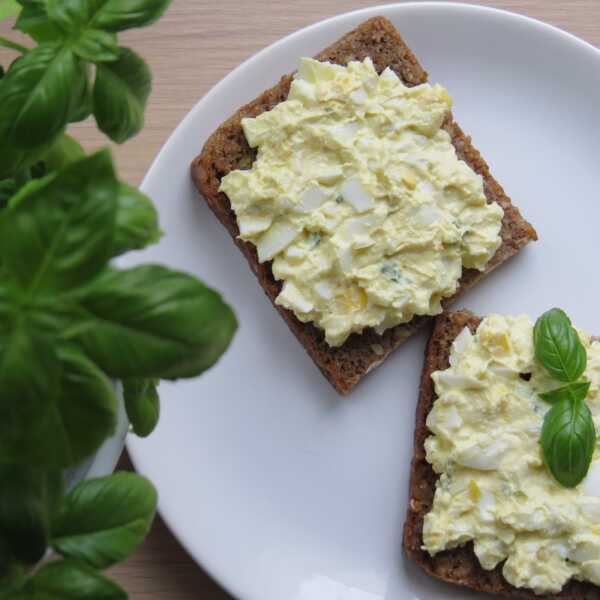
column 196, row 44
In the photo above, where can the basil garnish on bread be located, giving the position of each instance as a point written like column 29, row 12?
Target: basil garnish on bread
column 568, row 435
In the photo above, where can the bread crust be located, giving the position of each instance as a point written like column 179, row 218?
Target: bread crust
column 227, row 150
column 459, row 566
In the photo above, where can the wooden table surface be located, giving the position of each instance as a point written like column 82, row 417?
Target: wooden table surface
column 194, row 46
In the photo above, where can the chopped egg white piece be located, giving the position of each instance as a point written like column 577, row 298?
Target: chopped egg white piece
column 311, row 199
column 276, row 239
column 355, row 194
column 294, row 298
column 251, row 225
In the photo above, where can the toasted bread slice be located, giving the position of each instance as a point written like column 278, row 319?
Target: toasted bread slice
column 227, row 150
column 460, row 565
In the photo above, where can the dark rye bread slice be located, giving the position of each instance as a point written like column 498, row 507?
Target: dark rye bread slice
column 460, row 565
column 227, row 149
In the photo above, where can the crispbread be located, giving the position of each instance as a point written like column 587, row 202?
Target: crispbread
column 227, row 149
column 460, row 565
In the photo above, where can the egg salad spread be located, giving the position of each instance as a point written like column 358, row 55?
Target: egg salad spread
column 493, row 487
column 359, row 199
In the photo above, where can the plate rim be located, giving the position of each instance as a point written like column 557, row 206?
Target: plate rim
column 213, row 568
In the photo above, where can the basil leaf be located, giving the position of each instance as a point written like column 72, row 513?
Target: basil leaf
column 35, row 96
column 120, row 94
column 28, row 501
column 7, row 308
column 7, row 591
column 13, row 161
column 33, row 21
column 65, row 151
column 142, row 404
column 81, row 96
column 61, row 233
column 108, row 15
column 137, row 221
column 70, row 580
column 29, row 384
column 104, row 520
column 8, row 312
column 96, row 46
column 572, row 391
column 87, row 41
column 558, row 347
column 29, row 188
column 71, row 15
column 8, row 188
column 117, row 15
column 151, row 321
column 8, row 8
column 568, row 440
column 56, row 407
column 87, row 403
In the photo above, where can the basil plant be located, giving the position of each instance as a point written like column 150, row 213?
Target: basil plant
column 75, row 328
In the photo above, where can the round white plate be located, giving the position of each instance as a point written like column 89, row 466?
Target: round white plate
column 280, row 488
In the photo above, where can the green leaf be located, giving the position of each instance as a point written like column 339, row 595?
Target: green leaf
column 104, row 520
column 88, row 41
column 117, row 15
column 120, row 94
column 9, row 8
column 15, row 162
column 61, row 233
column 568, row 439
column 81, row 97
column 30, row 187
column 142, row 404
column 151, row 321
column 7, row 309
column 6, row 562
column 29, row 383
column 96, row 46
column 8, row 188
column 35, row 96
column 65, row 151
column 572, row 391
column 33, row 21
column 558, row 347
column 109, row 15
column 137, row 221
column 72, row 15
column 29, row 499
column 87, row 404
column 11, row 159
column 56, row 406
column 70, row 580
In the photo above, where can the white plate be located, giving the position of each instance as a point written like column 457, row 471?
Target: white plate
column 281, row 489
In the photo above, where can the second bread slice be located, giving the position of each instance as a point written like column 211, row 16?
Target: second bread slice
column 459, row 565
